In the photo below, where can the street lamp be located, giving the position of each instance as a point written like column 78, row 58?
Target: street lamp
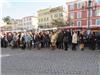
column 89, row 13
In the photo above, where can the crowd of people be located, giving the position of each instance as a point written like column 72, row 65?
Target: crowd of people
column 57, row 39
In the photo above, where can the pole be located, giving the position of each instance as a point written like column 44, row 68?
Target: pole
column 89, row 12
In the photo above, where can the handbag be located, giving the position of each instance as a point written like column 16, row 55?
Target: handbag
column 81, row 46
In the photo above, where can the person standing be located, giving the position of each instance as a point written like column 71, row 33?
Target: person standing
column 4, row 41
column 81, row 39
column 38, row 40
column 74, row 40
column 98, row 40
column 23, row 43
column 93, row 41
column 47, row 40
column 60, row 40
column 53, row 40
column 65, row 40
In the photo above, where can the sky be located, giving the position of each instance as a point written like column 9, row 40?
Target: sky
column 20, row 8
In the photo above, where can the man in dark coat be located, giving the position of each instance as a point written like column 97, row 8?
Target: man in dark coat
column 47, row 40
column 65, row 40
column 98, row 40
column 4, row 42
column 69, row 37
column 93, row 41
column 60, row 40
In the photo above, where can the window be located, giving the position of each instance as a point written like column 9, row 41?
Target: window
column 56, row 15
column 83, row 4
column 72, row 16
column 79, row 15
column 89, row 22
column 41, row 19
column 98, row 2
column 98, row 22
column 30, row 23
column 78, row 23
column 24, row 20
column 30, row 18
column 44, row 19
column 27, row 19
column 47, row 18
column 97, row 12
column 89, row 13
column 71, row 6
column 51, row 16
column 60, row 15
column 27, row 23
column 71, row 23
column 79, row 5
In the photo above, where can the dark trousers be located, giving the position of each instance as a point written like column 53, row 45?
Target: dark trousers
column 93, row 46
column 31, row 44
column 42, row 44
column 39, row 45
column 74, row 46
column 60, row 45
column 24, row 45
column 66, row 45
column 3, row 43
column 46, row 44
column 34, row 44
column 98, row 44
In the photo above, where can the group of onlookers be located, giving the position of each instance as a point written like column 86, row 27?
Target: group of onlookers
column 61, row 39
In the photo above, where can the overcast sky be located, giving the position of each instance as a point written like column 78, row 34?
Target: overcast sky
column 20, row 8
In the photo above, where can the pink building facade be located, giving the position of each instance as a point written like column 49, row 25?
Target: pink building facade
column 78, row 13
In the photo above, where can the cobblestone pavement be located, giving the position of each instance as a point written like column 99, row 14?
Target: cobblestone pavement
column 48, row 62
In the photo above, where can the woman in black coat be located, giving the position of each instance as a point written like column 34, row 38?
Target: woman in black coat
column 65, row 40
column 4, row 42
column 81, row 39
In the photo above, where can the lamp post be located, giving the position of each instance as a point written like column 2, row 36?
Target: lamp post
column 89, row 13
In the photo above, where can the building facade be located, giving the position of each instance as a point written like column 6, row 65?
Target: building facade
column 26, row 23
column 8, row 27
column 81, row 14
column 29, row 22
column 46, row 16
column 18, row 24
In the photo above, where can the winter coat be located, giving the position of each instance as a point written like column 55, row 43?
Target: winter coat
column 81, row 39
column 54, row 37
column 74, row 38
column 60, row 37
column 28, row 38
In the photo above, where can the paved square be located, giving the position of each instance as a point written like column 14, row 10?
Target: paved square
column 48, row 62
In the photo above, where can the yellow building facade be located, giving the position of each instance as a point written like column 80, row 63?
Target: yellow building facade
column 46, row 16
